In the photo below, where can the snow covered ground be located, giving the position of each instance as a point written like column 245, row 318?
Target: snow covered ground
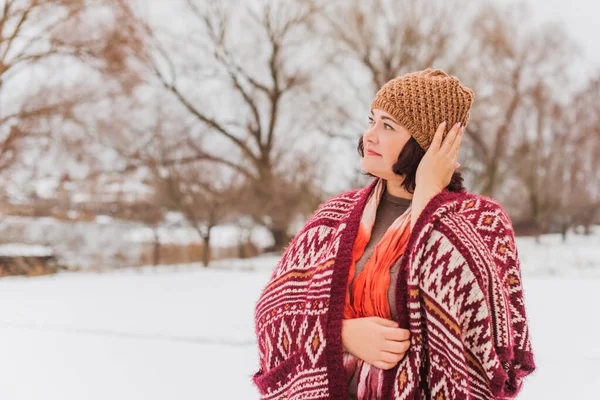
column 185, row 332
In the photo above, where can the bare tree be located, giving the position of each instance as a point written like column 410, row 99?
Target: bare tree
column 242, row 76
column 584, row 156
column 556, row 159
column 51, row 54
column 191, row 190
column 293, row 196
column 510, row 61
column 152, row 214
column 495, row 50
column 389, row 38
column 368, row 43
column 536, row 163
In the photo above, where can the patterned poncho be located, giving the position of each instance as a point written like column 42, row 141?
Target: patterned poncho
column 460, row 285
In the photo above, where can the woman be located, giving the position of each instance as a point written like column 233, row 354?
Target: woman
column 407, row 288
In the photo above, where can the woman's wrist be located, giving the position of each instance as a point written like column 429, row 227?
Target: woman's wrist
column 343, row 336
column 421, row 197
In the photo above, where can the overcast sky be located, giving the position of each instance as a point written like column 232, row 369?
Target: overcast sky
column 582, row 21
column 580, row 17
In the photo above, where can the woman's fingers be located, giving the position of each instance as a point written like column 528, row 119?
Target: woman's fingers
column 384, row 365
column 449, row 140
column 397, row 334
column 385, row 322
column 456, row 144
column 437, row 138
column 397, row 347
column 391, row 358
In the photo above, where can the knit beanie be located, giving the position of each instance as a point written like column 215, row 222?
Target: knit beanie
column 420, row 101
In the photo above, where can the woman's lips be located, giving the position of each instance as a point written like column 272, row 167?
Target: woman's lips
column 372, row 153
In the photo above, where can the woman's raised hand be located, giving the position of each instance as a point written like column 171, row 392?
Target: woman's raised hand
column 378, row 341
column 439, row 162
column 436, row 168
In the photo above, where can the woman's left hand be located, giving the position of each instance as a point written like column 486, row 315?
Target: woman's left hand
column 439, row 162
column 436, row 168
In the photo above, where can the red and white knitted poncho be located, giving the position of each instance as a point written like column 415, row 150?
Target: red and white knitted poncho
column 460, row 287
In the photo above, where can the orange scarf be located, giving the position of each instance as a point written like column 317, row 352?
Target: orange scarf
column 370, row 288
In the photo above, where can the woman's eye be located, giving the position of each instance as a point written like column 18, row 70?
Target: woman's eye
column 388, row 126
column 370, row 120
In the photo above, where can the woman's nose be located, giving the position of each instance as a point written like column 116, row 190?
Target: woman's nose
column 371, row 134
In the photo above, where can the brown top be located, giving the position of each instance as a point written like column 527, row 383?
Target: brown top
column 390, row 207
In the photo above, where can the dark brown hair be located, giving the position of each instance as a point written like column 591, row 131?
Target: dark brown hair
column 407, row 163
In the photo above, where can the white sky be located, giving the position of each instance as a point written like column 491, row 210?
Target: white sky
column 581, row 19
column 578, row 16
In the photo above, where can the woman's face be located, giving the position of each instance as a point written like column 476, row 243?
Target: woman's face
column 382, row 144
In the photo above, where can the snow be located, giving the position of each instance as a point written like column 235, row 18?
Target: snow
column 187, row 332
column 20, row 249
column 129, row 335
column 103, row 219
column 577, row 257
column 225, row 235
column 89, row 244
column 45, row 187
column 75, row 243
column 104, row 186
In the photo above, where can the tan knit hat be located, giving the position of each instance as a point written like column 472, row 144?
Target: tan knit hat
column 422, row 100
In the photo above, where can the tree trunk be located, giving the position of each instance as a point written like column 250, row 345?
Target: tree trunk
column 156, row 248
column 206, row 249
column 563, row 231
column 281, row 239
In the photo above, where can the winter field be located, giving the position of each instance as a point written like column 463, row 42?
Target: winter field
column 185, row 332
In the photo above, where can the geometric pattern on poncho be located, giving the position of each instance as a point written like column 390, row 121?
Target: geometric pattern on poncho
column 469, row 335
